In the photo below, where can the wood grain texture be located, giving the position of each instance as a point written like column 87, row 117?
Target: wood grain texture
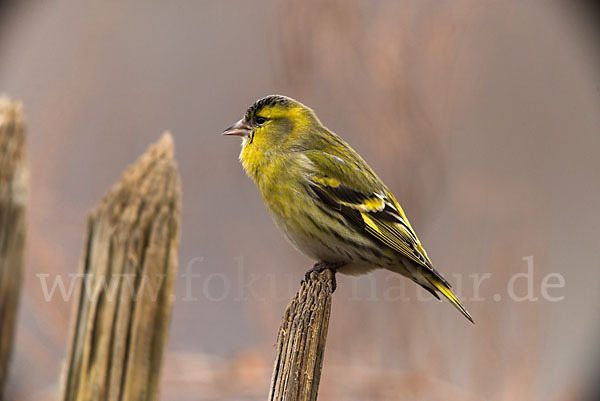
column 129, row 264
column 301, row 341
column 13, row 198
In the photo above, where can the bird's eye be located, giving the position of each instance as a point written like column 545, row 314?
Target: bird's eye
column 260, row 120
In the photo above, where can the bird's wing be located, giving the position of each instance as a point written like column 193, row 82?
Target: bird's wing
column 353, row 190
column 344, row 183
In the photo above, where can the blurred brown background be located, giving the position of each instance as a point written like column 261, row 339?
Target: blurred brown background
column 483, row 117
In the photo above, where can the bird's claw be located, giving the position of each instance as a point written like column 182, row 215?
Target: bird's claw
column 320, row 267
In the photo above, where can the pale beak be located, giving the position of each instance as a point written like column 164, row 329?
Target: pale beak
column 241, row 128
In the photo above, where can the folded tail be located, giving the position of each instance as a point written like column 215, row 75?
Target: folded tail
column 443, row 287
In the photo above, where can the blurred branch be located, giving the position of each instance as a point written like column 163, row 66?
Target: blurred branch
column 403, row 52
column 13, row 197
column 301, row 341
column 125, row 298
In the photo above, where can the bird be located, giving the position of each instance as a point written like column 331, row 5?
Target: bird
column 326, row 200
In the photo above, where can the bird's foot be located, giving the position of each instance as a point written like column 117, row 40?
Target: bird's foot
column 320, row 267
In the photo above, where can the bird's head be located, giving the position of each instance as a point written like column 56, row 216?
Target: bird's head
column 274, row 124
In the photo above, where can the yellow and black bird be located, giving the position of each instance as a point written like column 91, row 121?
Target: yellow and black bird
column 326, row 199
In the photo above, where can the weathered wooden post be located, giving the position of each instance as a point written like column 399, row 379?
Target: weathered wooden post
column 301, row 341
column 129, row 263
column 13, row 198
